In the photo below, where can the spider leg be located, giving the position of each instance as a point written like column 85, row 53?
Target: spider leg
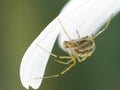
column 66, row 63
column 78, row 34
column 64, row 29
column 58, row 75
column 54, row 55
column 106, row 26
column 64, row 71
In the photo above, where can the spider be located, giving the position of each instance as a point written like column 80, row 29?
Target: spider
column 80, row 49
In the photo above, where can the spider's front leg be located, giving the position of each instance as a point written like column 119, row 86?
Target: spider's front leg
column 106, row 26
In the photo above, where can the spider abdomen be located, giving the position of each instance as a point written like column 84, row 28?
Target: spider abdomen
column 82, row 47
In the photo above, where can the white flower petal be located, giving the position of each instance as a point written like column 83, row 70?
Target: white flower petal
column 35, row 59
column 86, row 16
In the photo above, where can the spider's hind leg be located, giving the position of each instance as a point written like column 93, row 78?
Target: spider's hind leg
column 60, row 74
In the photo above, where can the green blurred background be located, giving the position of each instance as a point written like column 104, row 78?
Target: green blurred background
column 21, row 21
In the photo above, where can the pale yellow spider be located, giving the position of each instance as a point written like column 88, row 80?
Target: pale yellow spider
column 80, row 48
